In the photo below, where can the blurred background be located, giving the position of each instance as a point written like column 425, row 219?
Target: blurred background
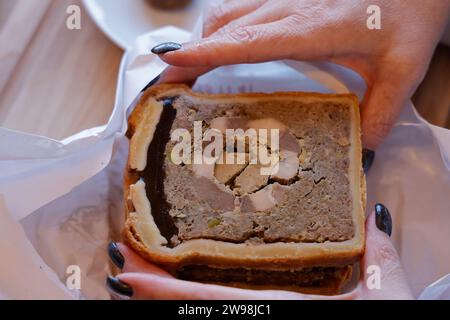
column 55, row 81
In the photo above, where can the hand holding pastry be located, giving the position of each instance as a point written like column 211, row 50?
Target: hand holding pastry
column 392, row 60
column 142, row 280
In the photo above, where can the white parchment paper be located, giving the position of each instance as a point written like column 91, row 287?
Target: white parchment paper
column 61, row 201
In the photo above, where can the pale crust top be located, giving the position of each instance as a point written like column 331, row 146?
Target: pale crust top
column 142, row 234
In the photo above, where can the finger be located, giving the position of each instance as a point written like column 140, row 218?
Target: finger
column 184, row 75
column 283, row 39
column 383, row 275
column 380, row 109
column 266, row 13
column 134, row 263
column 345, row 296
column 220, row 14
column 248, row 44
column 292, row 37
column 151, row 286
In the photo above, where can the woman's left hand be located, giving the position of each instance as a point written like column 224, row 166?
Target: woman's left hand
column 142, row 280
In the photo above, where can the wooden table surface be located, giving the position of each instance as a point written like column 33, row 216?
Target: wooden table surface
column 56, row 82
column 60, row 81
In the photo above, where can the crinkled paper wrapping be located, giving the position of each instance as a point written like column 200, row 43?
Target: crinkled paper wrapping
column 61, row 201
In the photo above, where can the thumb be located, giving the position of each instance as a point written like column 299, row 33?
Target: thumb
column 383, row 276
column 381, row 107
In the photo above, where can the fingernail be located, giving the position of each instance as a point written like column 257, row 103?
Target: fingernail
column 119, row 287
column 155, row 80
column 383, row 219
column 166, row 47
column 115, row 255
column 367, row 159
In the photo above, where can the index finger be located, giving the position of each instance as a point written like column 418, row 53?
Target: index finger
column 152, row 286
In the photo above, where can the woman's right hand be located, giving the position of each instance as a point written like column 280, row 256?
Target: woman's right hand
column 392, row 60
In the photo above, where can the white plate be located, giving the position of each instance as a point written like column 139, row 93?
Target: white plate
column 123, row 20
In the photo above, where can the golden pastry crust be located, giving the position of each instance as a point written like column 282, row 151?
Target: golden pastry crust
column 142, row 234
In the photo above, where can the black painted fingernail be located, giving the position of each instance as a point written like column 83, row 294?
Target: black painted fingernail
column 166, row 47
column 367, row 159
column 155, row 80
column 383, row 219
column 168, row 102
column 115, row 255
column 119, row 287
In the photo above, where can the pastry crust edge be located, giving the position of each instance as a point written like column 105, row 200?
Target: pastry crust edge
column 323, row 254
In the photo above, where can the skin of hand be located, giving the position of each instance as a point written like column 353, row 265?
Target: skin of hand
column 150, row 282
column 392, row 60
